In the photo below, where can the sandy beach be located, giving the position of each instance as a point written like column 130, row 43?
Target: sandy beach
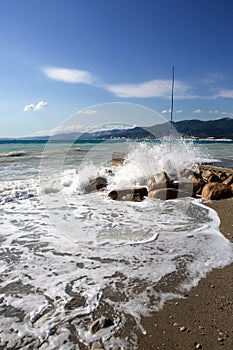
column 204, row 318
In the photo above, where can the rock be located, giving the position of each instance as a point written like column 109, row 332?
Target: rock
column 193, row 188
column 96, row 184
column 75, row 302
column 205, row 174
column 159, row 180
column 100, row 323
column 136, row 194
column 222, row 175
column 214, row 178
column 229, row 180
column 118, row 159
column 167, row 193
column 216, row 191
column 210, row 176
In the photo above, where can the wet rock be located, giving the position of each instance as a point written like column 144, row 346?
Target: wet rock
column 75, row 302
column 222, row 175
column 193, row 188
column 136, row 194
column 96, row 184
column 167, row 193
column 159, row 180
column 118, row 159
column 216, row 191
column 228, row 181
column 100, row 323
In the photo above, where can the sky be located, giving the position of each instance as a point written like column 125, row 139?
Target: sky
column 59, row 57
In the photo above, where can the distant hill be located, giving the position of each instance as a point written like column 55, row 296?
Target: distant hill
column 220, row 128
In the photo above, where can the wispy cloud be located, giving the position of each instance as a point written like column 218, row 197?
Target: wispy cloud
column 88, row 111
column 66, row 75
column 153, row 88
column 225, row 93
column 198, row 111
column 178, row 111
column 35, row 107
column 164, row 111
column 160, row 88
column 213, row 78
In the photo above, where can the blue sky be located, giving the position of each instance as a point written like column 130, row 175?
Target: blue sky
column 60, row 56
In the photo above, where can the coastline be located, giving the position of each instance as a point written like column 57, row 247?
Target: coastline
column 202, row 320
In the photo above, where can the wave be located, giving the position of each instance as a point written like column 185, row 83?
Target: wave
column 13, row 154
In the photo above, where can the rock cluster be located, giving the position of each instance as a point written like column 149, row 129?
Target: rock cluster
column 209, row 182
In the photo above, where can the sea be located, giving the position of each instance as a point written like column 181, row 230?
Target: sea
column 70, row 256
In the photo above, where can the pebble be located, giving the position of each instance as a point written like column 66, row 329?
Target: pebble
column 176, row 303
column 198, row 346
column 183, row 328
column 220, row 340
column 175, row 324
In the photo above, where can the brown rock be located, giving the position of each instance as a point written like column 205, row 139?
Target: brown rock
column 214, row 178
column 129, row 194
column 167, row 193
column 205, row 174
column 216, row 191
column 96, row 184
column 159, row 180
column 118, row 159
column 222, row 175
column 193, row 188
column 229, row 180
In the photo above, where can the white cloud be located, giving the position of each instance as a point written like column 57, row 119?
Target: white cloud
column 198, row 111
column 212, row 78
column 149, row 89
column 225, row 93
column 164, row 111
column 66, row 75
column 178, row 111
column 88, row 111
column 35, row 107
column 214, row 111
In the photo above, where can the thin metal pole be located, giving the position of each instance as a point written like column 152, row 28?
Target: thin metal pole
column 173, row 78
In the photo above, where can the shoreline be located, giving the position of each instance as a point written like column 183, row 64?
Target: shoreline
column 203, row 320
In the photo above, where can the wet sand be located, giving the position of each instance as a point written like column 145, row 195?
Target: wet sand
column 204, row 318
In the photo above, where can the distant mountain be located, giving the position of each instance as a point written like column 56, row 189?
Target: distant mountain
column 220, row 128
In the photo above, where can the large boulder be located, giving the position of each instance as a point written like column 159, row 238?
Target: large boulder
column 167, row 193
column 136, row 194
column 216, row 191
column 96, row 184
column 159, row 180
column 193, row 188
